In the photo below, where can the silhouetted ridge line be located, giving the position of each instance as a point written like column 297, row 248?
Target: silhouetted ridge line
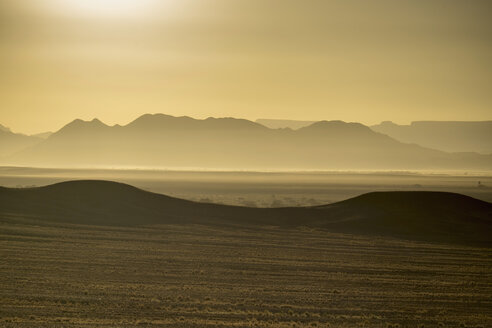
column 158, row 121
column 11, row 143
column 159, row 140
column 451, row 136
column 430, row 216
column 404, row 199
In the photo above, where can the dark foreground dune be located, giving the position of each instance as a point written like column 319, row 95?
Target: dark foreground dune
column 431, row 216
column 102, row 254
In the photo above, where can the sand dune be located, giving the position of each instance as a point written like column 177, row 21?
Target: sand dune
column 430, row 216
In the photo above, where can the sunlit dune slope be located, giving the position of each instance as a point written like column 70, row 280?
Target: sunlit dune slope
column 430, row 216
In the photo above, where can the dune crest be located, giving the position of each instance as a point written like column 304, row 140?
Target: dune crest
column 431, row 216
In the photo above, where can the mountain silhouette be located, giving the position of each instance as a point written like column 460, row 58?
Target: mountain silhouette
column 227, row 143
column 162, row 121
column 11, row 143
column 283, row 124
column 447, row 136
column 429, row 216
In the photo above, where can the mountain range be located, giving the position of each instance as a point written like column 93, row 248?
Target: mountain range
column 429, row 216
column 282, row 124
column 443, row 135
column 449, row 136
column 158, row 140
column 11, row 142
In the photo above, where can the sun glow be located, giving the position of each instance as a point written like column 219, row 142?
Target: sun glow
column 108, row 8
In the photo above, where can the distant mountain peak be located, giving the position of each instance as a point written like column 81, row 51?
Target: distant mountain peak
column 78, row 121
column 450, row 136
column 153, row 116
column 336, row 125
column 234, row 123
column 156, row 120
column 388, row 123
column 159, row 121
column 78, row 125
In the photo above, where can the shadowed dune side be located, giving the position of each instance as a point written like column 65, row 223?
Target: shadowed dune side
column 108, row 203
column 440, row 216
column 429, row 216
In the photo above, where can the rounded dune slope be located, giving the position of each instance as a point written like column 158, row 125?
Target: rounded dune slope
column 440, row 216
column 105, row 203
column 429, row 216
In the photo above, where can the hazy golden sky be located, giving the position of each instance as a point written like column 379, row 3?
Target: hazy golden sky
column 363, row 60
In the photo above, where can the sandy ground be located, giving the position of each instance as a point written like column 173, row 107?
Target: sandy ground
column 55, row 275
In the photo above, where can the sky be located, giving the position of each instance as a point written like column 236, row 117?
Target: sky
column 351, row 60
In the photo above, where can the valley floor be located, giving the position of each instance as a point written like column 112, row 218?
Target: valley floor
column 54, row 275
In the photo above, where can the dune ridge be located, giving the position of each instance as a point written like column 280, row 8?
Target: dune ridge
column 430, row 216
